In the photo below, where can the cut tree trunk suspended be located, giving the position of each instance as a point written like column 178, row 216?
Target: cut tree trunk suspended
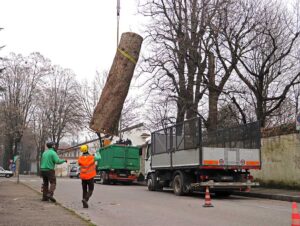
column 108, row 110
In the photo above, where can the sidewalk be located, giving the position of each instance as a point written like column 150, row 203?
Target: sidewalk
column 270, row 193
column 20, row 206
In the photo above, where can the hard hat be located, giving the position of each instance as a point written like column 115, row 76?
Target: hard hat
column 50, row 144
column 84, row 148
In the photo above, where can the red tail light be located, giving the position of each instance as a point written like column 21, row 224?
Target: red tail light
column 203, row 177
column 250, row 177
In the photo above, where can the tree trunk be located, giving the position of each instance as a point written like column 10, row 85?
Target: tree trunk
column 108, row 110
column 8, row 152
column 260, row 112
column 38, row 158
column 180, row 111
column 213, row 94
column 192, row 111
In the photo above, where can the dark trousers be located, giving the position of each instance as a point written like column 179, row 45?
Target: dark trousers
column 87, row 188
column 48, row 177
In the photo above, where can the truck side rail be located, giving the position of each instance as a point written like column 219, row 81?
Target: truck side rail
column 192, row 135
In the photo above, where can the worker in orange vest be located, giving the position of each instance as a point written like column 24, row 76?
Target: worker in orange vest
column 87, row 173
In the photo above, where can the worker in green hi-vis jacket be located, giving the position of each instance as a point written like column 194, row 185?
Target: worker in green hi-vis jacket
column 48, row 161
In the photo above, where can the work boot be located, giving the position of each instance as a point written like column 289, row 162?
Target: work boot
column 44, row 199
column 51, row 198
column 85, row 204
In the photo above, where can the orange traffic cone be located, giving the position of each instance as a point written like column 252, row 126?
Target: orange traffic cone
column 207, row 198
column 295, row 215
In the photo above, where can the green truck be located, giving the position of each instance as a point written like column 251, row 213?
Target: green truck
column 119, row 163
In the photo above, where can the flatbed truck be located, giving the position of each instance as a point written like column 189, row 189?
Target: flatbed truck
column 187, row 158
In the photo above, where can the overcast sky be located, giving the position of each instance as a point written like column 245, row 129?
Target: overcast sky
column 76, row 34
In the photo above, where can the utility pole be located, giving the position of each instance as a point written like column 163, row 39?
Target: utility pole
column 118, row 26
column 118, row 21
column 18, row 162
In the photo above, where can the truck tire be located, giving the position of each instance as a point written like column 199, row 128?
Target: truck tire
column 181, row 183
column 152, row 183
column 178, row 185
column 104, row 178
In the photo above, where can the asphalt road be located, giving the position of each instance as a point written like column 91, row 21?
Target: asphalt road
column 134, row 205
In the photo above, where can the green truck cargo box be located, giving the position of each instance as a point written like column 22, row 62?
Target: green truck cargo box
column 119, row 157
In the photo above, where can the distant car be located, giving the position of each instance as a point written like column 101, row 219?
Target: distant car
column 5, row 173
column 74, row 172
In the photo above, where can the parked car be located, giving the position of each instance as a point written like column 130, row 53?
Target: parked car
column 5, row 173
column 74, row 172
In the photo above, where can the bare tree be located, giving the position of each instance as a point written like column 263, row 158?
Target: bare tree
column 20, row 80
column 160, row 113
column 1, row 69
column 64, row 111
column 179, row 44
column 40, row 126
column 196, row 47
column 268, row 66
column 90, row 94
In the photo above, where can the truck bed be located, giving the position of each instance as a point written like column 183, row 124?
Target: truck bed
column 189, row 145
column 119, row 157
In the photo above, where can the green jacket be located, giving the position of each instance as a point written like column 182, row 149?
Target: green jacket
column 49, row 159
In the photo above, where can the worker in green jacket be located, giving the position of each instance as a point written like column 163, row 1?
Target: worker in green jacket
column 48, row 161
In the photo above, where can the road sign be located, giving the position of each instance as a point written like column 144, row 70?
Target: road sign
column 298, row 121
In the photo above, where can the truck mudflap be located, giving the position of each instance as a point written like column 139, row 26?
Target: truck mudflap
column 232, row 185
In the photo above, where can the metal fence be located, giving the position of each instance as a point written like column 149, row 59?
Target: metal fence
column 242, row 136
column 190, row 134
column 181, row 136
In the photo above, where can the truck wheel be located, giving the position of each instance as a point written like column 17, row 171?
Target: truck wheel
column 178, row 185
column 151, row 182
column 104, row 178
column 7, row 175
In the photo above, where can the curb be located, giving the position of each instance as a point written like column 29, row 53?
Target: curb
column 89, row 222
column 288, row 198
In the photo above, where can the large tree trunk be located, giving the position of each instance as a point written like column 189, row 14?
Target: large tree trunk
column 213, row 94
column 108, row 110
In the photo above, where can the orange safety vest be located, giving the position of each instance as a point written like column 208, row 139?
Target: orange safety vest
column 87, row 167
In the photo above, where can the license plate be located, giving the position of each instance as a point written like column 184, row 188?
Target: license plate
column 123, row 175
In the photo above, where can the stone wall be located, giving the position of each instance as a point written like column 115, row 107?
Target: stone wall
column 280, row 161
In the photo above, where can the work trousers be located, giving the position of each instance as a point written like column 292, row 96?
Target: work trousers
column 48, row 177
column 87, row 188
